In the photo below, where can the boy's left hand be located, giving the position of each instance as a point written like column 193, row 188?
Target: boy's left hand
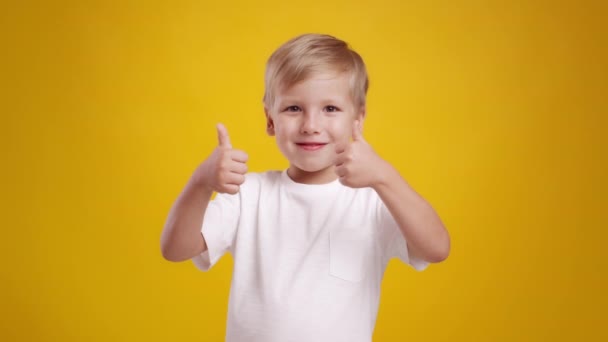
column 357, row 164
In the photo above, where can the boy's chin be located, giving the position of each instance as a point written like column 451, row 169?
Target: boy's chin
column 314, row 174
column 312, row 169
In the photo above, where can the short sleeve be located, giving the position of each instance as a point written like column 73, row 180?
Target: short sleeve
column 219, row 229
column 393, row 241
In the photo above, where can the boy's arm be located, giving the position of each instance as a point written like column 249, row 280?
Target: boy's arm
column 358, row 166
column 426, row 236
column 181, row 238
column 223, row 172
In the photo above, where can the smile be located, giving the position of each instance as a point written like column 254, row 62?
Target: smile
column 310, row 146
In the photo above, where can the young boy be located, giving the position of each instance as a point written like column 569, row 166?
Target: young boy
column 311, row 243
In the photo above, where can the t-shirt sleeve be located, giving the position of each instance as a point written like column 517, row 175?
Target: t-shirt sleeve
column 393, row 241
column 219, row 229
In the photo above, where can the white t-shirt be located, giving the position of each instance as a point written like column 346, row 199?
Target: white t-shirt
column 308, row 259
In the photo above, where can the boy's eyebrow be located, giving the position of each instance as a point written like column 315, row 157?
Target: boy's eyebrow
column 296, row 99
column 282, row 104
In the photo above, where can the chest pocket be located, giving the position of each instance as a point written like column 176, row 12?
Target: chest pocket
column 350, row 253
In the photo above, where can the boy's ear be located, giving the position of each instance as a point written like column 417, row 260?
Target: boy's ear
column 269, row 122
column 361, row 116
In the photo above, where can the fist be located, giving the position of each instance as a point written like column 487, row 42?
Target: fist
column 357, row 165
column 224, row 170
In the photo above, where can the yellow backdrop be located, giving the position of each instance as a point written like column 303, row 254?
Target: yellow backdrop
column 494, row 111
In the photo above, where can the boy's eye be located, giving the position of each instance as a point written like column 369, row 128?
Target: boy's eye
column 331, row 109
column 292, row 109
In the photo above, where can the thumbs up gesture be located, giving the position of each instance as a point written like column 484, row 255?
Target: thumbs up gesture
column 224, row 170
column 357, row 164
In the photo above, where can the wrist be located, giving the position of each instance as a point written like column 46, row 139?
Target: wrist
column 200, row 179
column 386, row 175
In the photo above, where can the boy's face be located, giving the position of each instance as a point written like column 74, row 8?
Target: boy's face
column 309, row 119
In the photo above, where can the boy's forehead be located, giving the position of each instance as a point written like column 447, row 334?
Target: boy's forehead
column 334, row 82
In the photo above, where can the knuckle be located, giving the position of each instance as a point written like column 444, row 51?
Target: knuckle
column 225, row 166
column 221, row 166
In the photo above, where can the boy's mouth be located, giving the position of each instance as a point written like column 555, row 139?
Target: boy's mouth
column 312, row 146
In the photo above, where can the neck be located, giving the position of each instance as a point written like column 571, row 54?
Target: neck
column 317, row 177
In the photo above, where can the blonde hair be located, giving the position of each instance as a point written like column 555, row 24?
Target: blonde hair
column 303, row 56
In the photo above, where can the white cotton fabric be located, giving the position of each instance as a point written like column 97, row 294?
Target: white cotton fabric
column 308, row 259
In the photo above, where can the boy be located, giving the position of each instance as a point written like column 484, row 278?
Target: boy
column 310, row 244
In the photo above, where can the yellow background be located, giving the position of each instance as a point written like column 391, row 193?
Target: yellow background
column 495, row 111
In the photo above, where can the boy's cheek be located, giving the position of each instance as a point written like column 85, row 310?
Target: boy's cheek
column 341, row 129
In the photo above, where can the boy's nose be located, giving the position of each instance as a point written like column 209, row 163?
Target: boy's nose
column 310, row 125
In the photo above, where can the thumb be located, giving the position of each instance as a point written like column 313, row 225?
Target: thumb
column 357, row 131
column 222, row 136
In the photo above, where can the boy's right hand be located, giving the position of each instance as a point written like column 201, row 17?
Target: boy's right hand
column 224, row 170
